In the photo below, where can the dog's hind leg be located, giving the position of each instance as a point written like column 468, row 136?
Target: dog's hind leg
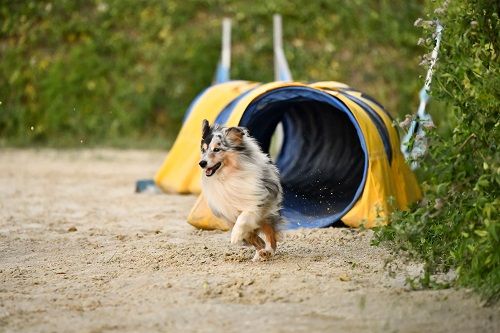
column 259, row 244
column 256, row 241
column 269, row 235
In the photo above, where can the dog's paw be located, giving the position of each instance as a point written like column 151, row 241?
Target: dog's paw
column 262, row 255
column 266, row 254
column 237, row 236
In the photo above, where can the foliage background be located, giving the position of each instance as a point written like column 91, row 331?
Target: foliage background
column 123, row 72
column 456, row 226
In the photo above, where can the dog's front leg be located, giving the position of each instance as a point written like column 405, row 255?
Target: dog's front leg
column 246, row 223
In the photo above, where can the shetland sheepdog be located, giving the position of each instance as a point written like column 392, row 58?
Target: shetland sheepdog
column 242, row 186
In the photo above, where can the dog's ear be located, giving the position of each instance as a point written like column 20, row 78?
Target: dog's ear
column 205, row 128
column 235, row 134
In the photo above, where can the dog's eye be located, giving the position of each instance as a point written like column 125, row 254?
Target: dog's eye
column 216, row 150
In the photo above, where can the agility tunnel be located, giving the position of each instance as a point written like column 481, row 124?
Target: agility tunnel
column 339, row 158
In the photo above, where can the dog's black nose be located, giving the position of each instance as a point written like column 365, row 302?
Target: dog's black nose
column 203, row 163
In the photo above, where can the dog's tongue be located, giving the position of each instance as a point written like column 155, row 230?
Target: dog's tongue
column 209, row 171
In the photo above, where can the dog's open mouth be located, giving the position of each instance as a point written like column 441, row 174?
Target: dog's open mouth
column 211, row 171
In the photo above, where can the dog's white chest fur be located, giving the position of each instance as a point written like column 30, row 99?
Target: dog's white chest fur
column 230, row 194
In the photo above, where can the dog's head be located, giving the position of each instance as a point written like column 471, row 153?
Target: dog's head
column 218, row 145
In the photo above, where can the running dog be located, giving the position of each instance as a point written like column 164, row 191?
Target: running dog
column 242, row 186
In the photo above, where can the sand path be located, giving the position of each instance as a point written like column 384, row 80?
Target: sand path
column 81, row 252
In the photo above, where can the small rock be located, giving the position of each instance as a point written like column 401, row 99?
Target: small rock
column 344, row 278
column 121, row 237
column 72, row 229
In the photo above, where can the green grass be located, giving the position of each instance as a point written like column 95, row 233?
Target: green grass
column 126, row 70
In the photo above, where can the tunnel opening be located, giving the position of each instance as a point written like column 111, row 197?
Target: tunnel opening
column 323, row 159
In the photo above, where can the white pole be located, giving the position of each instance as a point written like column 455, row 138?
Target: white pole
column 281, row 73
column 226, row 43
column 277, row 41
column 281, row 69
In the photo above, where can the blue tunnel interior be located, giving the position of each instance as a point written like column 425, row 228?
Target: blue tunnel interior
column 323, row 158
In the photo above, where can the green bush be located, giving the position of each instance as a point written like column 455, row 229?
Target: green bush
column 456, row 225
column 111, row 71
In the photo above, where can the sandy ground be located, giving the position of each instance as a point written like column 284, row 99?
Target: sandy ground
column 81, row 252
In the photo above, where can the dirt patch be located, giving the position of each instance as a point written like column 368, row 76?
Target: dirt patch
column 81, row 252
